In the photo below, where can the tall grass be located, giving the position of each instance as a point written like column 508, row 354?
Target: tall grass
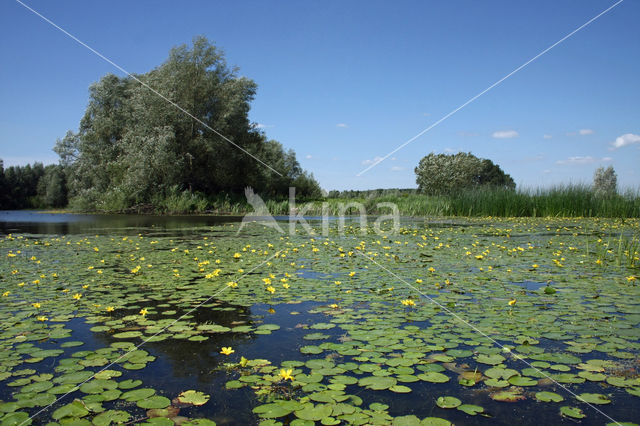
column 559, row 201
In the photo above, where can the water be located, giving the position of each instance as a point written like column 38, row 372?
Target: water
column 181, row 365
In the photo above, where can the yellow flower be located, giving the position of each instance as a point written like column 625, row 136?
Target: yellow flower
column 598, row 262
column 144, row 311
column 534, row 266
column 271, row 289
column 36, row 305
column 135, row 270
column 77, row 296
column 337, row 282
column 42, row 318
column 408, row 302
column 86, row 286
column 266, row 280
column 631, row 278
column 237, row 255
column 333, row 306
column 419, row 281
column 6, row 293
column 286, row 374
column 512, row 302
column 36, row 281
column 351, row 273
column 285, row 285
column 227, row 351
column 432, row 269
column 110, row 308
column 232, row 284
column 479, row 257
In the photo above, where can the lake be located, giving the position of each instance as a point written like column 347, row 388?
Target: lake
column 184, row 320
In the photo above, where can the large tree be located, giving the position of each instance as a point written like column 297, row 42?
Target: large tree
column 134, row 143
column 442, row 174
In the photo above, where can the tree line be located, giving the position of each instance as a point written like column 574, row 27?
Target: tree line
column 135, row 147
column 32, row 186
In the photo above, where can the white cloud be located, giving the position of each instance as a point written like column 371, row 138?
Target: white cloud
column 505, row 134
column 546, row 171
column 397, row 169
column 579, row 160
column 624, row 140
column 546, row 136
column 263, row 126
column 368, row 162
column 308, row 157
column 343, row 125
column 585, row 132
column 450, row 150
column 426, row 114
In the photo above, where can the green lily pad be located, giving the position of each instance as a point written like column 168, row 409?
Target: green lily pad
column 193, row 397
column 572, row 412
column 73, row 409
column 593, row 398
column 156, row 401
column 377, row 383
column 109, row 417
column 448, row 402
column 548, row 397
column 471, row 410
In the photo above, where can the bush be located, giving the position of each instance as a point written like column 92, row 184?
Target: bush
column 439, row 174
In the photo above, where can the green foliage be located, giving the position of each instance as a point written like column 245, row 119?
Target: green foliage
column 438, row 174
column 563, row 201
column 31, row 186
column 135, row 149
column 605, row 181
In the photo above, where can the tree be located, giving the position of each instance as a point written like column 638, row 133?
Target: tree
column 133, row 145
column 52, row 188
column 442, row 174
column 605, row 181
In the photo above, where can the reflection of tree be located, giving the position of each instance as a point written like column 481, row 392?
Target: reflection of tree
column 180, row 359
column 63, row 224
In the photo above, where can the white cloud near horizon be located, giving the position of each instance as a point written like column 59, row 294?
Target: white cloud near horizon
column 263, row 126
column 397, row 169
column 581, row 160
column 625, row 140
column 342, row 125
column 368, row 162
column 309, row 157
column 505, row 134
column 584, row 132
column 546, row 136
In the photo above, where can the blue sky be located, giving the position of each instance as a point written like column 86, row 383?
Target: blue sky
column 345, row 82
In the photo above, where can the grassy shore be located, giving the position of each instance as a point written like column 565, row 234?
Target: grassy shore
column 560, row 201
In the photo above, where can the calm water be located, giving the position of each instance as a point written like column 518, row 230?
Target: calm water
column 192, row 365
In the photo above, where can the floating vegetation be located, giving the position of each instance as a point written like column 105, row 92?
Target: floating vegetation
column 495, row 317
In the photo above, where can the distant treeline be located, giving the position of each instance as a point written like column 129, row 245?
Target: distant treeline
column 32, row 186
column 370, row 193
